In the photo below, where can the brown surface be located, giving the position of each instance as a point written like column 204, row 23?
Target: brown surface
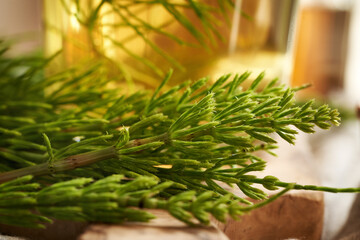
column 59, row 230
column 351, row 229
column 291, row 216
column 163, row 227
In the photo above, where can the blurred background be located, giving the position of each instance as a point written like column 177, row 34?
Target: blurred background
column 301, row 42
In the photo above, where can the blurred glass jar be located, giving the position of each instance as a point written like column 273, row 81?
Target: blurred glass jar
column 262, row 41
column 89, row 31
column 256, row 42
column 321, row 46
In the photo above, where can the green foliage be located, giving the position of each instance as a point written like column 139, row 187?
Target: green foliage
column 174, row 149
column 111, row 199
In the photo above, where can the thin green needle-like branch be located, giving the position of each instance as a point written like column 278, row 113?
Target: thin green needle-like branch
column 277, row 183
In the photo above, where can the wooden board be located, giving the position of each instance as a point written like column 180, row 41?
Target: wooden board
column 291, row 216
column 59, row 230
column 161, row 228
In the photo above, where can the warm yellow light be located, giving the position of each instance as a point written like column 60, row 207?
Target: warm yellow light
column 272, row 62
column 108, row 32
column 163, row 166
column 73, row 20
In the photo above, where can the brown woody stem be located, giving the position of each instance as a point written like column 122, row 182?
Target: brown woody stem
column 76, row 161
column 68, row 163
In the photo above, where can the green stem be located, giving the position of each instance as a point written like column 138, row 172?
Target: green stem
column 269, row 200
column 318, row 188
column 79, row 160
column 305, row 187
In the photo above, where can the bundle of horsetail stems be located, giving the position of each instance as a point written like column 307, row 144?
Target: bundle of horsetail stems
column 73, row 149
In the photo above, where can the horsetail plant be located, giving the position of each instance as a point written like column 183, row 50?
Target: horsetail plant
column 70, row 146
